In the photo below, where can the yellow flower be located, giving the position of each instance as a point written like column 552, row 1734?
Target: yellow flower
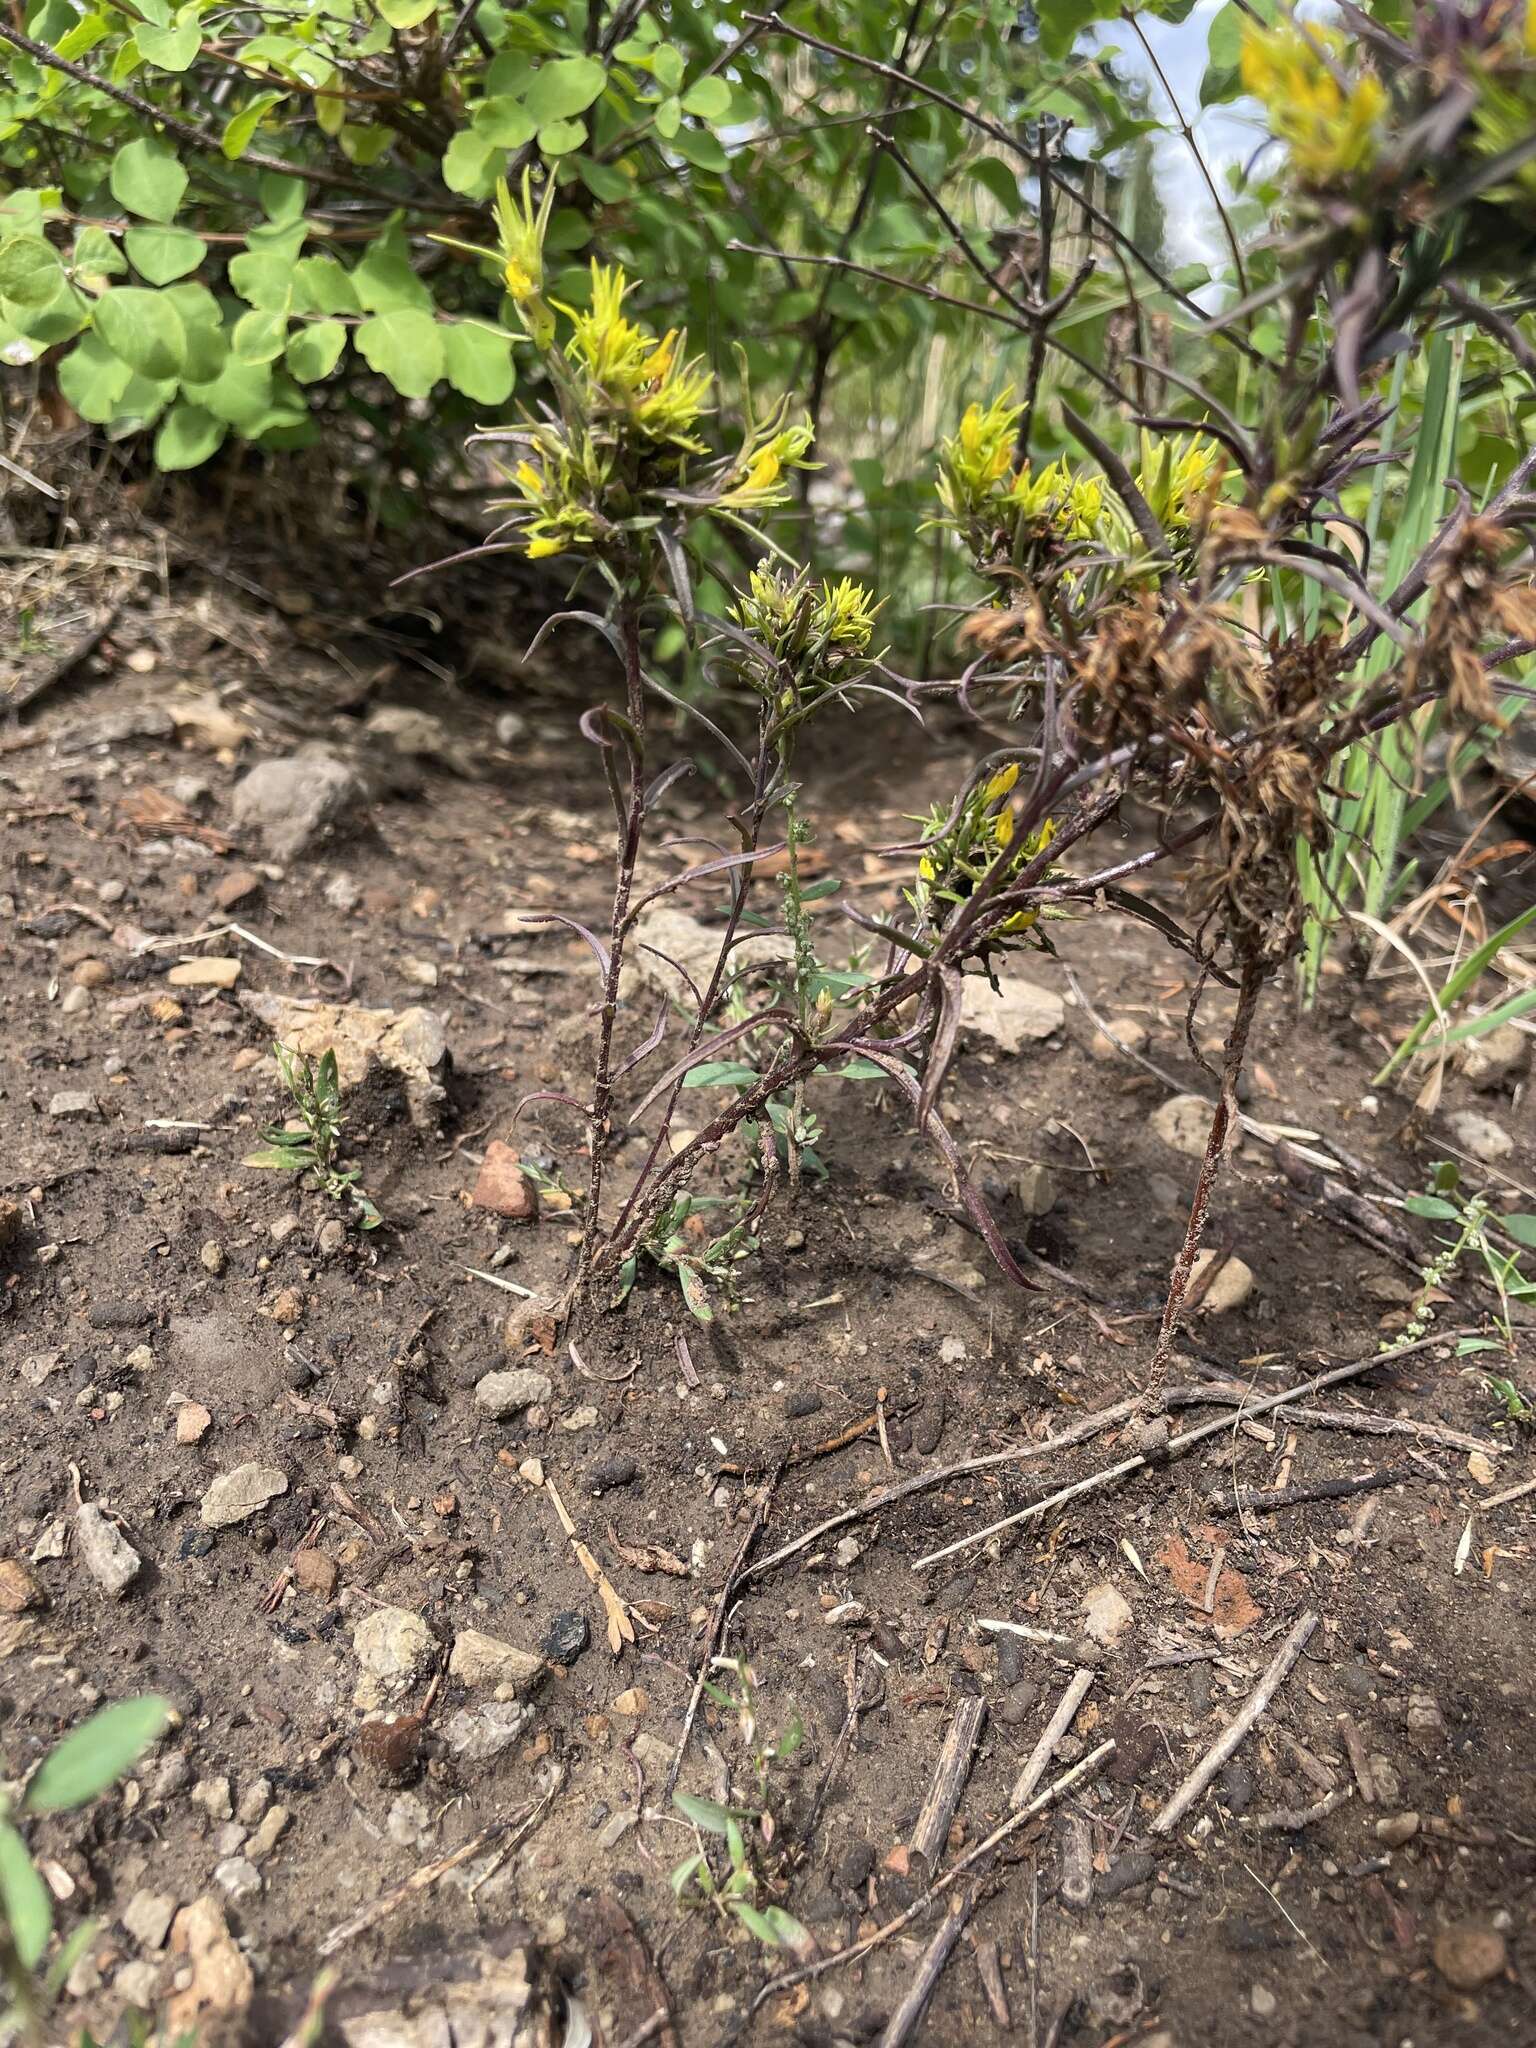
column 544, row 544
column 1175, row 486
column 760, row 478
column 634, row 372
column 974, row 462
column 845, row 616
column 1330, row 122
column 1058, row 502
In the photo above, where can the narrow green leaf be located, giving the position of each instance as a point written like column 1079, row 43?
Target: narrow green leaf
column 706, row 1814
column 97, row 1754
column 24, row 1899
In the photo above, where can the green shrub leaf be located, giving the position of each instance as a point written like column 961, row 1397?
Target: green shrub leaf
column 708, row 99
column 93, row 379
column 406, row 13
column 169, row 49
column 240, row 129
column 559, row 138
column 479, row 361
column 24, row 1899
column 504, row 122
column 470, row 163
column 30, row 271
column 163, row 254
column 260, row 335
column 406, row 346
column 314, row 351
column 144, row 329
column 564, row 87
column 188, row 435
column 147, row 179
column 97, row 1754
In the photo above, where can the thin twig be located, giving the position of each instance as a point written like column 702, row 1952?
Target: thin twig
column 1055, row 1728
column 1242, row 1723
column 929, row 1971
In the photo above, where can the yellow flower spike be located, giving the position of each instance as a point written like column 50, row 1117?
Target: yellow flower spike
column 1001, row 783
column 1330, row 123
column 530, row 479
column 520, row 231
column 976, row 460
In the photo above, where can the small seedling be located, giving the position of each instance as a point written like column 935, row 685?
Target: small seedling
column 74, row 1773
column 310, row 1142
column 1478, row 1229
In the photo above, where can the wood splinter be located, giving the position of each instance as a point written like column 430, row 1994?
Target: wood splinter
column 953, row 1768
column 1242, row 1724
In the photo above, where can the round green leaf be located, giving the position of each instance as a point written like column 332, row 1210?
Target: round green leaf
column 406, row 346
column 479, row 361
column 406, row 13
column 564, row 87
column 709, row 99
column 241, row 394
column 240, row 128
column 669, row 117
column 314, row 351
column 559, row 138
column 667, row 66
column 506, row 123
column 30, row 271
column 470, row 163
column 262, row 277
column 96, row 258
column 260, row 335
column 188, row 435
column 97, row 1753
column 207, row 347
column 163, row 254
column 169, row 49
column 24, row 1899
column 93, row 379
column 384, row 282
column 147, row 179
column 144, row 329
column 321, row 285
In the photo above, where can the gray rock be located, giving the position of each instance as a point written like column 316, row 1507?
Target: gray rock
column 297, row 803
column 1023, row 1014
column 477, row 1735
column 237, row 1877
column 1483, row 1138
column 71, row 1104
column 1183, row 1123
column 478, row 1659
column 171, row 1779
column 1037, row 1190
column 1135, row 1867
column 394, row 1647
column 264, row 1841
column 138, row 1986
column 855, row 1865
column 105, row 1551
column 1393, row 1829
column 1497, row 1057
column 508, row 1393
column 214, row 1797
column 236, row 1496
column 148, row 1916
column 1106, row 1614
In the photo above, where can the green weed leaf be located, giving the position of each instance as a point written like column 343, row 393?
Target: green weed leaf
column 96, row 1754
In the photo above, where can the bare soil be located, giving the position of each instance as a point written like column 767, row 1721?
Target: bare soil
column 151, row 1270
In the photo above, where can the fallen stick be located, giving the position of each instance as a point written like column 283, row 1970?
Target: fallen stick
column 990, row 1971
column 982, row 1851
column 929, row 1971
column 1359, row 1761
column 1264, row 1500
column 1497, row 1500
column 1242, row 1723
column 1171, row 1449
column 1361, row 1424
column 860, row 1700
column 717, row 1623
column 950, row 1774
column 1055, row 1728
column 1289, row 1819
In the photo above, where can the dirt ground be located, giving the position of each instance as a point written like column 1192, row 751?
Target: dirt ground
column 170, row 1316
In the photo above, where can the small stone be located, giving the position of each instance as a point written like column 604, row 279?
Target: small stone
column 297, row 802
column 105, row 1551
column 230, row 1839
column 71, row 1104
column 1183, row 1123
column 236, row 1496
column 632, row 1702
column 137, row 1985
column 266, row 1837
column 1228, row 1290
column 91, row 974
column 503, row 1187
column 331, row 1240
column 211, row 1257
column 848, row 1552
column 1236, row 1786
column 1483, row 1138
column 148, row 1916
column 478, row 1659
column 254, row 1801
column 566, row 1637
column 1262, row 2002
column 408, row 1822
column 615, row 1471
column 502, row 1394
column 394, row 1648
column 1018, row 1013
column 193, row 1422
column 1497, row 1057
column 855, row 1866
column 1019, row 1703
column 1469, row 1954
column 237, row 1877
column 1036, row 1190
column 1386, row 1778
column 19, row 1590
column 1424, row 1717
column 1135, row 1867
column 800, row 1402
column 1393, row 1829
column 214, row 1796
column 479, row 1735
column 1106, row 1614
column 239, row 886
column 75, row 1002
column 314, row 1572
column 210, row 971
column 1131, row 1033
column 287, row 1307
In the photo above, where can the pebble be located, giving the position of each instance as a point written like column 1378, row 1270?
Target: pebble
column 1036, row 1190
column 566, row 1637
column 394, row 1647
column 193, row 1422
column 255, row 1800
column 19, row 1590
column 503, row 1187
column 1017, row 1013
column 74, row 1002
column 508, row 1392
column 478, row 1659
column 239, row 886
column 105, row 1551
column 237, row 1877
column 1183, row 1123
column 211, row 1257
column 408, row 1822
column 1135, row 1867
column 236, row 1496
column 618, row 1470
column 212, row 971
column 1496, row 1057
column 1130, row 1031
column 171, row 1779
column 137, row 1985
column 148, row 1916
column 1262, row 2002
column 1229, row 1290
column 1483, row 1138
column 297, row 802
column 480, row 1734
column 71, row 1104
column 287, row 1307
column 1424, row 1717
column 800, row 1402
column 1106, row 1614
column 267, row 1835
column 1396, row 1828
column 214, row 1796
column 91, row 974
column 315, row 1572
column 331, row 1241
column 1469, row 1954
column 855, row 1866
column 1018, row 1703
